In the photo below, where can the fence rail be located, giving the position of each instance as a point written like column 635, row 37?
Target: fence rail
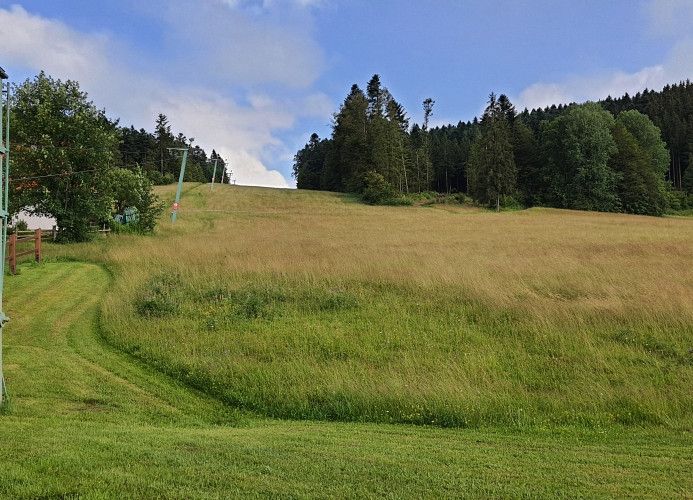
column 23, row 237
column 36, row 236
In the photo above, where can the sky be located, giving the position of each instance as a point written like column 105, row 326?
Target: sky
column 254, row 78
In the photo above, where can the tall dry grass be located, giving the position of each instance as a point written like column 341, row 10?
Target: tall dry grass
column 308, row 304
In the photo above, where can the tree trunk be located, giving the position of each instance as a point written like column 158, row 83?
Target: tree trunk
column 498, row 203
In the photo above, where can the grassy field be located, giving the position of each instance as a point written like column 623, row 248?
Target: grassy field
column 309, row 305
column 88, row 421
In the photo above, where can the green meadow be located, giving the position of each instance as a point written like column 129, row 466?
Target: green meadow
column 300, row 344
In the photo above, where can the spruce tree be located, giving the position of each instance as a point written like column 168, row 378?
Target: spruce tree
column 164, row 140
column 527, row 154
column 349, row 157
column 492, row 172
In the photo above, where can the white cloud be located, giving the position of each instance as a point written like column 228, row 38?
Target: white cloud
column 678, row 66
column 241, row 133
column 670, row 17
column 667, row 18
column 36, row 42
column 235, row 45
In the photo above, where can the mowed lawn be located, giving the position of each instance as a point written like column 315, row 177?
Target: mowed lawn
column 310, row 305
column 88, row 421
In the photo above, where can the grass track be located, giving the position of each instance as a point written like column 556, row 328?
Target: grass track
column 87, row 421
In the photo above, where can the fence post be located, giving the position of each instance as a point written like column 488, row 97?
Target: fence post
column 55, row 232
column 37, row 245
column 12, row 251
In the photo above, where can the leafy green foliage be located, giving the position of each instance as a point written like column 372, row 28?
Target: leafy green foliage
column 63, row 149
column 64, row 152
column 376, row 189
column 562, row 157
column 528, row 160
column 578, row 146
column 639, row 188
column 131, row 188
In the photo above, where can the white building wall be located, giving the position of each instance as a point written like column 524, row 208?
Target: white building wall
column 35, row 221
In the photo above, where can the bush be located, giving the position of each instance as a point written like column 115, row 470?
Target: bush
column 463, row 199
column 132, row 188
column 160, row 179
column 508, row 202
column 679, row 200
column 376, row 189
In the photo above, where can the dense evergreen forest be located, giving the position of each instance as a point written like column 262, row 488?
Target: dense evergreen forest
column 629, row 154
column 150, row 152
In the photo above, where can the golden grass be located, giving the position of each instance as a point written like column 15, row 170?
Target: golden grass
column 464, row 316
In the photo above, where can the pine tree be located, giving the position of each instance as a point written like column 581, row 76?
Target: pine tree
column 507, row 108
column 309, row 163
column 349, row 158
column 399, row 149
column 492, row 172
column 164, row 140
column 378, row 144
column 425, row 150
column 527, row 154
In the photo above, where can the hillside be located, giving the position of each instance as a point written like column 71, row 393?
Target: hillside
column 562, row 338
column 88, row 421
column 308, row 305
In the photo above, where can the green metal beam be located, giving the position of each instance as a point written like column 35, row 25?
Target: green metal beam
column 174, row 210
column 214, row 174
column 4, row 214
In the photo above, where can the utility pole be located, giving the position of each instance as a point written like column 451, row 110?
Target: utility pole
column 174, row 208
column 4, row 209
column 225, row 173
column 214, row 174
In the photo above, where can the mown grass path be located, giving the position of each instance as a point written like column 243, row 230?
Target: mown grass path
column 88, row 421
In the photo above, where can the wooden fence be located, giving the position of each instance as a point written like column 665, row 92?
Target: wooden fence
column 20, row 237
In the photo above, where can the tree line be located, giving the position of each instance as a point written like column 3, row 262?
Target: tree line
column 151, row 152
column 71, row 162
column 629, row 154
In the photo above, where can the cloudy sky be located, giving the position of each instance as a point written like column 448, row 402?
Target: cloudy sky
column 253, row 78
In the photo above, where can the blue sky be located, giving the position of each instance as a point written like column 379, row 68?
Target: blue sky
column 253, row 78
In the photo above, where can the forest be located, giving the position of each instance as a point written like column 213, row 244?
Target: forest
column 149, row 151
column 630, row 154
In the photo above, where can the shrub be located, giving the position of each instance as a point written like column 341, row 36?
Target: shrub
column 159, row 179
column 679, row 200
column 132, row 188
column 508, row 202
column 376, row 189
